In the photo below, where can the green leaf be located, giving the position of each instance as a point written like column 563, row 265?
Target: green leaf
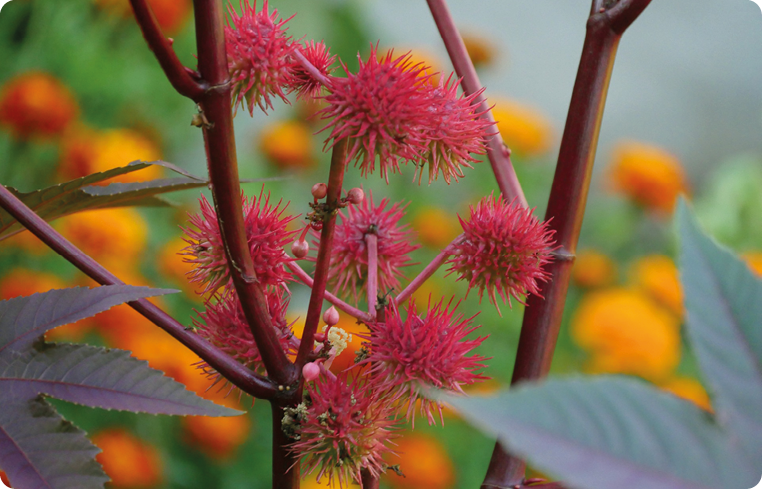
column 79, row 195
column 723, row 302
column 611, row 432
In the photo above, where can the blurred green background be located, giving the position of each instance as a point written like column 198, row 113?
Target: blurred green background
column 80, row 92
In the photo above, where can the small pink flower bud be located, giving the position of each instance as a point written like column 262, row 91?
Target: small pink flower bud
column 331, row 316
column 319, row 190
column 311, row 371
column 355, row 196
column 300, row 248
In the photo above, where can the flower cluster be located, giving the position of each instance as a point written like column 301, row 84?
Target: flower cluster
column 266, row 232
column 348, row 268
column 423, row 351
column 345, row 427
column 503, row 250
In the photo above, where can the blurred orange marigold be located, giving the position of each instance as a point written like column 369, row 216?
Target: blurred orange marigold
column 218, row 438
column 525, row 130
column 36, row 104
column 288, row 144
column 170, row 14
column 658, row 277
column 754, row 260
column 436, row 227
column 480, row 49
column 424, row 462
column 689, row 389
column 625, row 332
column 129, row 461
column 593, row 269
column 647, row 174
column 115, row 236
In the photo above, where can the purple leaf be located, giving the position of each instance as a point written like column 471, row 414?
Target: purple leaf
column 24, row 319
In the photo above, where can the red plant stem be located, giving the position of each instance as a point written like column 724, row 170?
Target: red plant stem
column 497, row 152
column 219, row 140
column 566, row 208
column 368, row 481
column 371, row 242
column 176, row 73
column 427, row 272
column 285, row 464
column 311, row 69
column 340, row 304
column 335, row 181
column 243, row 378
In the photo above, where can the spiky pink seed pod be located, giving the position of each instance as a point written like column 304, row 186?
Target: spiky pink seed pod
column 319, row 190
column 259, row 55
column 355, row 196
column 503, row 251
column 300, row 248
column 267, row 235
column 453, row 132
column 224, row 325
column 348, row 268
column 378, row 110
column 302, row 81
column 347, row 428
column 310, row 371
column 331, row 316
column 419, row 351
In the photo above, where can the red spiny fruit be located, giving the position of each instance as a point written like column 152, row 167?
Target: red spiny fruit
column 224, row 325
column 423, row 351
column 452, row 131
column 302, row 82
column 266, row 234
column 379, row 110
column 259, row 55
column 503, row 251
column 348, row 269
column 346, row 427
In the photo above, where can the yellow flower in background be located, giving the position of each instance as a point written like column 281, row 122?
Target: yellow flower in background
column 114, row 236
column 86, row 150
column 525, row 130
column 218, row 438
column 288, row 144
column 625, row 332
column 173, row 265
column 27, row 242
column 424, row 462
column 480, row 49
column 593, row 269
column 657, row 276
column 130, row 462
column 647, row 174
column 170, row 14
column 754, row 260
column 436, row 227
column 36, row 104
column 689, row 389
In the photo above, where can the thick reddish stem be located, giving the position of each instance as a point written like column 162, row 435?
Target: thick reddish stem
column 427, row 272
column 566, row 208
column 497, row 152
column 340, row 304
column 176, row 73
column 335, row 182
column 368, row 481
column 239, row 375
column 371, row 242
column 285, row 464
column 223, row 177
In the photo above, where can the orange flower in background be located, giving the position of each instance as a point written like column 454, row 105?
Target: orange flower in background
column 754, row 260
column 129, row 461
column 114, row 236
column 647, row 174
column 480, row 49
column 86, row 150
column 36, row 104
column 593, row 269
column 626, row 332
column 526, row 130
column 24, row 282
column 347, row 357
column 424, row 462
column 436, row 227
column 658, row 277
column 173, row 265
column 288, row 144
column 4, row 478
column 170, row 14
column 27, row 242
column 218, row 438
column 689, row 389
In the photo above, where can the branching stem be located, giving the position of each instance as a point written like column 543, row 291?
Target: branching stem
column 371, row 243
column 340, row 304
column 427, row 272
